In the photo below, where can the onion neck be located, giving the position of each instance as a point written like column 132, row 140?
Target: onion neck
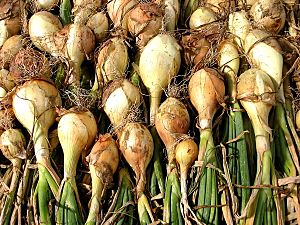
column 41, row 144
column 141, row 183
column 71, row 157
column 97, row 190
column 154, row 105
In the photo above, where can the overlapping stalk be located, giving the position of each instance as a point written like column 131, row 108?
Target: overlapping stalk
column 236, row 148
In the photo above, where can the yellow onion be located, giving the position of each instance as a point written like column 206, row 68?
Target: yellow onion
column 206, row 90
column 103, row 163
column 269, row 15
column 159, row 62
column 10, row 21
column 172, row 122
column 118, row 100
column 76, row 130
column 112, row 62
column 46, row 4
column 12, row 144
column 98, row 23
column 42, row 27
column 9, row 49
column 136, row 145
column 6, row 80
column 172, row 11
column 239, row 26
column 265, row 54
column 144, row 22
column 202, row 16
column 118, row 11
column 84, row 9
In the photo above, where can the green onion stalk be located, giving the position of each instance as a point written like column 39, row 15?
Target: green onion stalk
column 122, row 209
column 256, row 93
column 236, row 149
column 172, row 123
column 207, row 90
column 12, row 144
column 34, row 105
column 77, row 129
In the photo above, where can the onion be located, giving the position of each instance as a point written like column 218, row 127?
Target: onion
column 118, row 100
column 118, row 11
column 98, row 23
column 239, row 26
column 186, row 154
column 202, row 16
column 159, row 63
column 229, row 62
column 9, row 49
column 172, row 11
column 265, row 54
column 34, row 106
column 298, row 119
column 269, row 14
column 46, row 4
column 136, row 145
column 10, row 23
column 84, row 9
column 206, row 91
column 77, row 130
column 103, row 163
column 112, row 62
column 145, row 22
column 6, row 80
column 172, row 122
column 12, row 144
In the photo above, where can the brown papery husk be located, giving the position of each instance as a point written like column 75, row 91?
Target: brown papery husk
column 28, row 64
column 104, row 156
column 172, row 122
column 136, row 145
column 207, row 92
column 9, row 50
column 112, row 61
column 269, row 15
column 221, row 6
column 12, row 144
column 118, row 11
column 119, row 98
column 84, row 9
column 144, row 22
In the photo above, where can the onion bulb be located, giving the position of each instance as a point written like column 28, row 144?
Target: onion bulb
column 145, row 22
column 136, row 145
column 202, row 16
column 159, row 62
column 103, row 163
column 6, row 80
column 46, row 4
column 172, row 11
column 118, row 100
column 172, row 122
column 9, row 49
column 269, row 15
column 84, row 9
column 112, row 62
column 118, row 11
column 239, row 26
column 98, row 23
